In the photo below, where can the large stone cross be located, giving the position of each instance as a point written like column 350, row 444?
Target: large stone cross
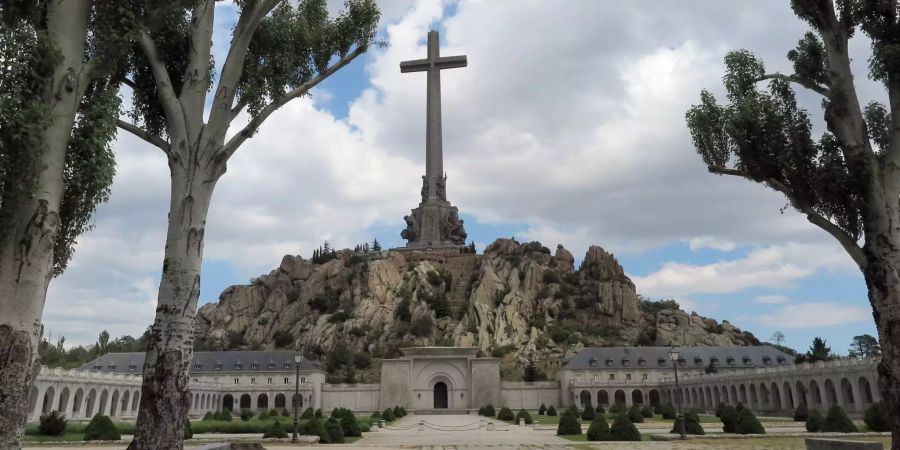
column 434, row 158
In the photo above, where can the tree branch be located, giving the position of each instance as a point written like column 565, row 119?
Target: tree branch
column 196, row 72
column 233, row 68
column 170, row 102
column 156, row 141
column 232, row 145
column 848, row 242
column 127, row 82
column 822, row 90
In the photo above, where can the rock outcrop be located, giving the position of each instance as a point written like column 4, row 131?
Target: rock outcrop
column 516, row 302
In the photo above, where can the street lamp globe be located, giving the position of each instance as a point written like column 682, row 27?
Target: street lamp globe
column 673, row 355
column 298, row 359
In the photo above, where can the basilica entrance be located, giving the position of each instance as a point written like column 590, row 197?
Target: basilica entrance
column 440, row 395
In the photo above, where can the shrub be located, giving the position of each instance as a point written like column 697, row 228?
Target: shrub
column 318, row 413
column 877, row 417
column 801, row 413
column 837, row 421
column 376, row 415
column 52, row 424
column 542, row 410
column 729, row 419
column 246, row 415
column 225, row 416
column 568, row 424
column 285, row 413
column 634, row 414
column 335, row 431
column 506, row 414
column 575, row 411
column 314, row 427
column 599, row 429
column 349, row 424
column 489, row 410
column 209, row 416
column 308, row 413
column 421, row 327
column 599, row 409
column 522, row 414
column 388, row 415
column 481, row 411
column 263, row 416
column 814, row 421
column 719, row 408
column 668, row 412
column 618, row 408
column 101, row 428
column 188, row 432
column 647, row 412
column 692, row 424
column 739, row 407
column 403, row 411
column 658, row 409
column 275, row 431
column 588, row 413
column 748, row 423
column 397, row 412
column 623, row 429
column 551, row 411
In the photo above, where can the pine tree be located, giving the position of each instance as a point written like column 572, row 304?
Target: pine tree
column 376, row 246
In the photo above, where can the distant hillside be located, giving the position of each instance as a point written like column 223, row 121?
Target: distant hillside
column 519, row 302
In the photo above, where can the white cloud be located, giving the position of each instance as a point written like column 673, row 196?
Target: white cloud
column 698, row 243
column 814, row 315
column 771, row 299
column 777, row 266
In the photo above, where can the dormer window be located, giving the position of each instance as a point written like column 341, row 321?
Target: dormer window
column 747, row 360
column 642, row 362
column 287, row 365
column 661, row 361
column 609, row 362
column 714, row 361
column 767, row 360
column 682, row 361
column 98, row 368
column 238, row 366
column 271, row 365
column 781, row 360
column 625, row 362
column 132, row 367
column 198, row 366
column 730, row 361
column 254, row 366
column 111, row 368
column 217, row 366
column 698, row 361
column 592, row 362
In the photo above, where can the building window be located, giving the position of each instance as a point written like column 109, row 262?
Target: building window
column 132, row 367
column 196, row 380
column 781, row 360
column 252, row 380
column 287, row 380
column 714, row 361
column 98, row 368
column 730, row 361
column 592, row 362
column 238, row 366
column 661, row 361
column 609, row 362
column 218, row 366
column 237, row 381
column 287, row 365
column 254, row 366
column 612, row 376
column 271, row 365
column 112, row 368
column 682, row 361
column 644, row 377
column 767, row 360
column 268, row 381
column 303, row 379
column 642, row 362
column 627, row 376
column 198, row 366
column 698, row 361
column 625, row 362
column 747, row 360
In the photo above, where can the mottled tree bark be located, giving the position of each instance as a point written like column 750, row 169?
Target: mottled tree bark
column 26, row 250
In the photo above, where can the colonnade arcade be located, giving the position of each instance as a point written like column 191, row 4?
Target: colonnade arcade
column 583, row 393
column 850, row 384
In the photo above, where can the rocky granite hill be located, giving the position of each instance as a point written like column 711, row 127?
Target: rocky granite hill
column 518, row 302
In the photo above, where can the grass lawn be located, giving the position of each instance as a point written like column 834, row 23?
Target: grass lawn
column 656, row 419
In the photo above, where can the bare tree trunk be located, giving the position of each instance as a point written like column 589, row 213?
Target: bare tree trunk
column 165, row 397
column 26, row 252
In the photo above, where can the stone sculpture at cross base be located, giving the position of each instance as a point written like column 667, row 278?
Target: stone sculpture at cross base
column 435, row 223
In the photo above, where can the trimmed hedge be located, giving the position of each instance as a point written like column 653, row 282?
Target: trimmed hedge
column 275, row 431
column 506, row 414
column 522, row 414
column 599, row 409
column 246, row 415
column 599, row 429
column 719, row 408
column 623, row 429
column 588, row 413
column 877, row 417
column 208, row 416
column 837, row 421
column 618, row 408
column 801, row 413
column 52, row 424
column 634, row 414
column 647, row 412
column 551, row 411
column 101, row 428
column 568, row 424
column 691, row 424
column 815, row 422
column 388, row 415
column 313, row 427
column 188, row 430
column 748, row 423
column 542, row 410
column 308, row 413
column 489, row 411
column 668, row 412
column 335, row 431
column 729, row 418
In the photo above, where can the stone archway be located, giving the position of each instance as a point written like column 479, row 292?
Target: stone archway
column 441, row 397
column 228, row 402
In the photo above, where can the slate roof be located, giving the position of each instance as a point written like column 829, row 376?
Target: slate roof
column 737, row 357
column 206, row 363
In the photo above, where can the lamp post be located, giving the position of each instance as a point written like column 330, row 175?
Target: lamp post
column 298, row 359
column 679, row 420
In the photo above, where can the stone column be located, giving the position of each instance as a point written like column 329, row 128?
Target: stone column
column 858, row 404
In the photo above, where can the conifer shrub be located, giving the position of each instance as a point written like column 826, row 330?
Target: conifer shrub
column 403, row 411
column 668, row 411
column 285, row 413
column 815, row 422
column 739, row 407
column 647, row 412
column 506, row 414
column 542, row 410
column 318, row 413
column 349, row 424
column 837, row 421
column 575, row 411
column 209, row 416
column 489, row 410
column 335, row 432
column 634, row 414
column 376, row 415
column 263, row 416
column 551, row 411
column 101, row 428
column 748, row 423
column 658, row 409
column 397, row 412
column 314, row 427
column 719, row 408
column 52, row 423
column 275, row 431
column 623, row 429
column 588, row 413
column 618, row 408
column 481, row 411
column 599, row 409
column 188, row 431
column 388, row 415
column 801, row 413
column 523, row 414
column 877, row 417
column 692, row 424
column 599, row 429
column 225, row 416
column 308, row 413
column 246, row 415
column 568, row 424
column 729, row 419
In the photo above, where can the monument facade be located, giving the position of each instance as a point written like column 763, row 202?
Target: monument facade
column 435, row 222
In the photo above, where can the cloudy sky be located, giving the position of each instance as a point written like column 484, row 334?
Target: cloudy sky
column 566, row 127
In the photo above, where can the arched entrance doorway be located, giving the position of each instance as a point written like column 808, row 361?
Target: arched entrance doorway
column 228, row 402
column 440, row 395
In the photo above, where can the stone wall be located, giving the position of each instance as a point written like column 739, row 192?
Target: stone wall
column 530, row 395
column 360, row 398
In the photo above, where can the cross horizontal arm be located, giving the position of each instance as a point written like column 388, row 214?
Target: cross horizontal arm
column 416, row 65
column 451, row 62
column 422, row 65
